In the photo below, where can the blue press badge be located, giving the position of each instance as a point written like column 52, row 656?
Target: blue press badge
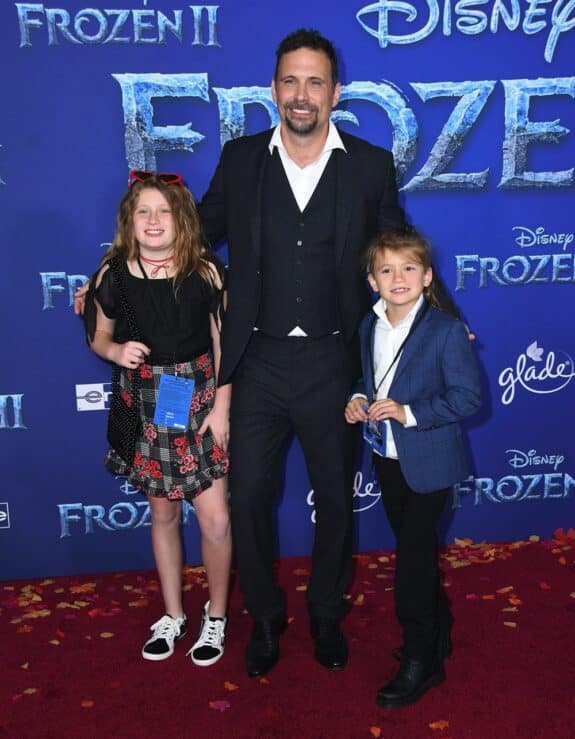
column 374, row 434
column 173, row 402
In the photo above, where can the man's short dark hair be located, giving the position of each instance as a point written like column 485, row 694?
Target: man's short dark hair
column 308, row 38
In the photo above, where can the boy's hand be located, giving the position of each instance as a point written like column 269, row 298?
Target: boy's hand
column 356, row 410
column 387, row 408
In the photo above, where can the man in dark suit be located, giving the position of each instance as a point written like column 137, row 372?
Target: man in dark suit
column 297, row 205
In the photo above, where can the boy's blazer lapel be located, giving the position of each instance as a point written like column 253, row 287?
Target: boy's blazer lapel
column 414, row 344
column 368, row 343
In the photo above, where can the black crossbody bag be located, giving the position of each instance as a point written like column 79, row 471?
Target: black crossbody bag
column 124, row 423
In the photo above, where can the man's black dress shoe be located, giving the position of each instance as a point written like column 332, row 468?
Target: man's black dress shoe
column 330, row 644
column 413, row 679
column 263, row 650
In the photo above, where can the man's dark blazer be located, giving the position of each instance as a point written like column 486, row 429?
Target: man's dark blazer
column 438, row 377
column 231, row 208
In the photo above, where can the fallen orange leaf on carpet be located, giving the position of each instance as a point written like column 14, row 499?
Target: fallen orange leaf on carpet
column 87, row 704
column 375, row 731
column 86, row 587
column 230, row 686
column 42, row 613
column 439, row 725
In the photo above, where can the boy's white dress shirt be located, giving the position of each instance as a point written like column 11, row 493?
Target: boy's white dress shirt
column 386, row 342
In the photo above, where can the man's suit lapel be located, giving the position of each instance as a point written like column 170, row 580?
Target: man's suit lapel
column 261, row 163
column 343, row 201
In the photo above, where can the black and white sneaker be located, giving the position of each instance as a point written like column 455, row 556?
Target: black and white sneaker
column 166, row 632
column 210, row 645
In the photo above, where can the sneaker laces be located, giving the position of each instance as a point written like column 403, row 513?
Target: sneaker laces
column 212, row 632
column 167, row 628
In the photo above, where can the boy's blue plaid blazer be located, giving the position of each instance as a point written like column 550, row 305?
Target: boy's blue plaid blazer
column 438, row 377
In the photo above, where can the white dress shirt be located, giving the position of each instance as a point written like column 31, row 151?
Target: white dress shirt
column 386, row 342
column 303, row 180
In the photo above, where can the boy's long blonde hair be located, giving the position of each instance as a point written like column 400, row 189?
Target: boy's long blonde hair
column 407, row 238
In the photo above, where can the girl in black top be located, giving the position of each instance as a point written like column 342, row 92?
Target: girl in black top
column 158, row 270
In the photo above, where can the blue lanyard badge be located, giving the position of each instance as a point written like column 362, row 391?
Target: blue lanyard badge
column 374, row 433
column 173, row 402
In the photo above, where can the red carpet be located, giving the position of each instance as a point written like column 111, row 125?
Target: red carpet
column 71, row 664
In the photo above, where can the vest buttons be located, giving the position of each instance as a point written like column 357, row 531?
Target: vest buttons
column 299, row 299
column 299, row 243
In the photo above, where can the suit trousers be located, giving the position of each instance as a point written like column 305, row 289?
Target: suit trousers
column 420, row 601
column 284, row 386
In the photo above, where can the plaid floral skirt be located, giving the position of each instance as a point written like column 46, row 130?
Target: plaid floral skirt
column 172, row 463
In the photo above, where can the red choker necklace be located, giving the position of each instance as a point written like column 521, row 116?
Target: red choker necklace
column 157, row 264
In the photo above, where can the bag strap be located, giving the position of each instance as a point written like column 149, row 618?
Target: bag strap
column 115, row 266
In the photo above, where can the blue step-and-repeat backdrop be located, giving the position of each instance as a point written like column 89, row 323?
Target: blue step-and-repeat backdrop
column 477, row 100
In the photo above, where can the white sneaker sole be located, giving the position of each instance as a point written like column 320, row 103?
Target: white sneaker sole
column 166, row 655
column 206, row 662
column 156, row 657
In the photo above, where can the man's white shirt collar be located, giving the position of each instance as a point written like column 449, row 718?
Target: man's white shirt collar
column 332, row 142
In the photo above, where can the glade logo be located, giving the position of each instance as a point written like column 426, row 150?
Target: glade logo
column 537, row 373
column 93, row 397
column 527, row 237
column 364, row 496
column 470, row 21
column 4, row 516
column 519, row 459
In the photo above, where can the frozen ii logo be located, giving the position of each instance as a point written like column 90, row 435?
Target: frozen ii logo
column 145, row 26
column 535, row 476
column 535, row 264
column 144, row 139
column 125, row 515
column 422, row 18
column 468, row 99
column 537, row 372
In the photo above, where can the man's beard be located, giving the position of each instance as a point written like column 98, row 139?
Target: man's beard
column 301, row 127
